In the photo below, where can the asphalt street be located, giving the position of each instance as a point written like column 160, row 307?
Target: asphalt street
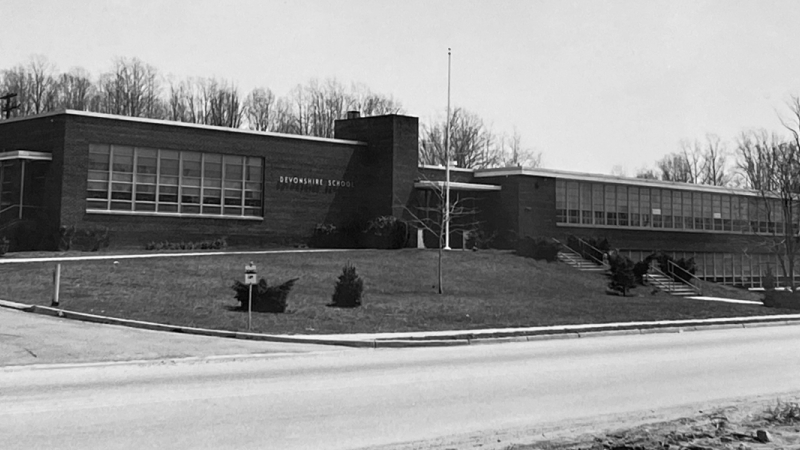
column 362, row 398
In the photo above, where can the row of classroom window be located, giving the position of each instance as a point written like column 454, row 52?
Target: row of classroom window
column 579, row 202
column 737, row 269
column 123, row 178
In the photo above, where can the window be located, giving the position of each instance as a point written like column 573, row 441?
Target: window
column 611, row 205
column 561, row 201
column 598, row 204
column 573, row 200
column 586, row 203
column 633, row 201
column 655, row 204
column 122, row 178
column 644, row 206
column 622, row 206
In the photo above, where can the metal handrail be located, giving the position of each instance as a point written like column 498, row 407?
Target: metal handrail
column 597, row 261
column 672, row 266
column 666, row 286
column 599, row 252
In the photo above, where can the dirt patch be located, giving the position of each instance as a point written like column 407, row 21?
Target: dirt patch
column 757, row 425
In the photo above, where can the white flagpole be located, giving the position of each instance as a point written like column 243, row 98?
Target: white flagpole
column 447, row 162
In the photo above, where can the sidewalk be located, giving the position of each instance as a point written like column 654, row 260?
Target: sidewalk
column 27, row 339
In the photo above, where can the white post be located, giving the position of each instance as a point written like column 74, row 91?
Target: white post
column 447, row 162
column 56, row 284
column 250, row 308
column 21, row 188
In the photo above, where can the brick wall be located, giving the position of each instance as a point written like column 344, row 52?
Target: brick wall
column 291, row 210
column 392, row 143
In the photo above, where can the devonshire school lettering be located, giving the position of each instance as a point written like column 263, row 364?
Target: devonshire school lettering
column 312, row 184
column 315, row 182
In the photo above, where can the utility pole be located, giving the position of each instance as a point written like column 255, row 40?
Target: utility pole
column 447, row 162
column 8, row 106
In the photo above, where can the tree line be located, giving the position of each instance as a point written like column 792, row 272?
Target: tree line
column 131, row 87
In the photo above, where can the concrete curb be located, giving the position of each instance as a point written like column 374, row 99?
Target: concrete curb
column 439, row 339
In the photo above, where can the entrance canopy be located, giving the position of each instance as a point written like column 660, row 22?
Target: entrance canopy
column 455, row 186
column 25, row 155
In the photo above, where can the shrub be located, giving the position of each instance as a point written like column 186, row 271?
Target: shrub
column 781, row 299
column 481, row 239
column 622, row 277
column 83, row 239
column 392, row 233
column 265, row 298
column 538, row 249
column 640, row 269
column 4, row 244
column 348, row 289
column 208, row 244
column 327, row 235
column 768, row 281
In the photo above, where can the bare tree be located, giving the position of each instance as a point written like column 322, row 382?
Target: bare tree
column 714, row 162
column 470, row 142
column 74, row 89
column 259, row 110
column 618, row 171
column 362, row 99
column 757, row 159
column 130, row 88
column 513, row 154
column 432, row 215
column 42, row 85
column 17, row 81
column 221, row 103
column 647, row 174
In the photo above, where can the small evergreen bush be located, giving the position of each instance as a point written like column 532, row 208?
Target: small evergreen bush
column 622, row 277
column 538, row 248
column 640, row 269
column 348, row 290
column 266, row 298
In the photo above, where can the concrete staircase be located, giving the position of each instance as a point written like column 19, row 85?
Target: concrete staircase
column 577, row 261
column 669, row 285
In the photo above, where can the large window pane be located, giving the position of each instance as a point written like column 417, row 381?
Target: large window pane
column 122, row 159
column 123, row 178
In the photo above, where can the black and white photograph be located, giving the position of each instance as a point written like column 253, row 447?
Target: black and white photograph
column 400, row 225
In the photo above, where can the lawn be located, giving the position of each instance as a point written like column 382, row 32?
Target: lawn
column 484, row 289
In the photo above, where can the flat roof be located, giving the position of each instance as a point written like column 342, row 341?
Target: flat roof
column 578, row 176
column 25, row 154
column 197, row 126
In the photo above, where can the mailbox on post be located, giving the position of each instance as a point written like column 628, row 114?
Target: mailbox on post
column 250, row 280
column 250, row 274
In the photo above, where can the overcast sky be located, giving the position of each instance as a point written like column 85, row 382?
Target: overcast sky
column 592, row 84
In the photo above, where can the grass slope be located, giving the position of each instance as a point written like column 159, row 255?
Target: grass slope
column 484, row 289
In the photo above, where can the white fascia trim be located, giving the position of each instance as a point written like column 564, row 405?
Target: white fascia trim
column 577, row 176
column 26, row 154
column 73, row 112
column 456, row 186
column 443, row 168
column 179, row 215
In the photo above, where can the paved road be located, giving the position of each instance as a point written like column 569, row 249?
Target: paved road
column 360, row 398
column 36, row 339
